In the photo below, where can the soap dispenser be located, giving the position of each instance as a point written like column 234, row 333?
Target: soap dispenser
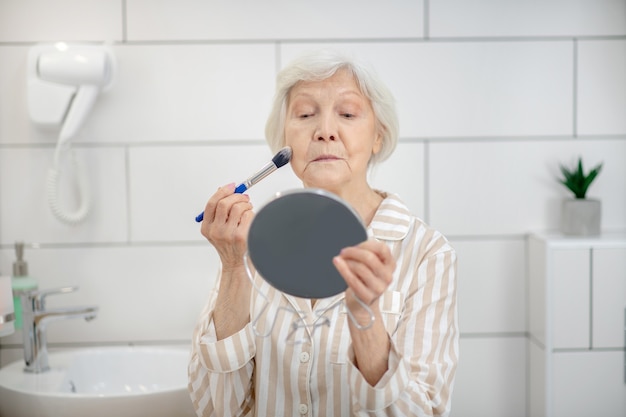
column 21, row 282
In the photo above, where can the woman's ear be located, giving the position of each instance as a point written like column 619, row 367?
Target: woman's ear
column 378, row 143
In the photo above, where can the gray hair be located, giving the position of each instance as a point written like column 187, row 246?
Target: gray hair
column 319, row 66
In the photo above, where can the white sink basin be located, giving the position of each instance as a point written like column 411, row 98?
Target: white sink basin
column 116, row 381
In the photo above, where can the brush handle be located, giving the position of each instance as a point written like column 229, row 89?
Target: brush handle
column 241, row 188
column 280, row 159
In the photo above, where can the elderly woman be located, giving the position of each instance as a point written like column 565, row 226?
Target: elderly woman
column 339, row 120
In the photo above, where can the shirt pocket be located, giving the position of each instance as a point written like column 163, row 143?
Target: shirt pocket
column 390, row 303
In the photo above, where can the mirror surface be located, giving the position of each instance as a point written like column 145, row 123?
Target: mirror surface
column 293, row 239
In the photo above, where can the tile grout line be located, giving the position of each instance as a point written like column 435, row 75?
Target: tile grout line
column 426, row 17
column 128, row 195
column 498, row 334
column 442, row 39
column 591, row 299
column 186, row 243
column 529, row 336
column 261, row 141
column 124, row 23
column 193, row 243
column 416, row 39
column 575, row 90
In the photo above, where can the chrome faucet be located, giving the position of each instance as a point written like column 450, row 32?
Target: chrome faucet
column 35, row 319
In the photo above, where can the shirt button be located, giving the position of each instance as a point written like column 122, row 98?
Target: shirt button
column 304, row 357
column 303, row 409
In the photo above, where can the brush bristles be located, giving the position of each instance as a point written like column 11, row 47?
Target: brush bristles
column 282, row 157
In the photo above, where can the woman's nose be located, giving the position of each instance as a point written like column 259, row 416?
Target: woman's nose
column 327, row 129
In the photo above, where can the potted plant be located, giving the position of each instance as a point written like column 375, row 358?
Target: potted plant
column 580, row 216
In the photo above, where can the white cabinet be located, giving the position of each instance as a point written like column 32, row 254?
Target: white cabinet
column 577, row 326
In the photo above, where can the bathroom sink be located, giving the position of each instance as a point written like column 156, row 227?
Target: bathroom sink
column 93, row 382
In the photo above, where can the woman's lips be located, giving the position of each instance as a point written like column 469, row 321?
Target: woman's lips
column 323, row 158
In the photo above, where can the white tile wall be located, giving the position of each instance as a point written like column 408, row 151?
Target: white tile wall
column 491, row 378
column 165, row 202
column 488, row 286
column 187, row 92
column 602, row 87
column 160, row 93
column 404, row 174
column 24, row 210
column 460, row 89
column 50, row 21
column 491, row 97
column 511, row 187
column 274, row 19
column 510, row 18
column 14, row 123
column 144, row 293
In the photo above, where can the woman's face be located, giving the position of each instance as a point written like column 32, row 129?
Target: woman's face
column 331, row 128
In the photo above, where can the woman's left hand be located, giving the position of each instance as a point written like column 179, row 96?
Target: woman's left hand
column 368, row 269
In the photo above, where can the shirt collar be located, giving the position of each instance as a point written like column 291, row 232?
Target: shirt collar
column 392, row 220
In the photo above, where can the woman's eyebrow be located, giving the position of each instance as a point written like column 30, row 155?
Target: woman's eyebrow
column 351, row 92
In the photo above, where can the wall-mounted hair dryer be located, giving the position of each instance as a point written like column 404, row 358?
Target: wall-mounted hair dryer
column 64, row 81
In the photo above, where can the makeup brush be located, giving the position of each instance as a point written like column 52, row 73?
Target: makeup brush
column 281, row 158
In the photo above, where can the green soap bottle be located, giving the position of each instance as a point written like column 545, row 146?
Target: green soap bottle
column 20, row 282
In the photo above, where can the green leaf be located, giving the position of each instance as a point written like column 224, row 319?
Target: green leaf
column 576, row 180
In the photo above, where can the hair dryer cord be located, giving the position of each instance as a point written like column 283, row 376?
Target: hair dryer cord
column 54, row 174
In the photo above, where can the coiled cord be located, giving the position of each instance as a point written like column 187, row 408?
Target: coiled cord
column 82, row 186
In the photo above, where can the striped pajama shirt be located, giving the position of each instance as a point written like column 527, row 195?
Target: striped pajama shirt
column 294, row 360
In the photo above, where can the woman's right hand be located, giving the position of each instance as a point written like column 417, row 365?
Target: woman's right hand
column 227, row 219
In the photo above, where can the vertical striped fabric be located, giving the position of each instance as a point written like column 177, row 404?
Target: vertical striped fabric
column 295, row 361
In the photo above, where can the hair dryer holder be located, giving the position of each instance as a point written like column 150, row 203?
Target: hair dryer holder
column 63, row 83
column 64, row 80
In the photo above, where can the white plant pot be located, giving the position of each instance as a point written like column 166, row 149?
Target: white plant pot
column 581, row 217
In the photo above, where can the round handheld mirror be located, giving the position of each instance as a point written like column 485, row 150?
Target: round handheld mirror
column 293, row 239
